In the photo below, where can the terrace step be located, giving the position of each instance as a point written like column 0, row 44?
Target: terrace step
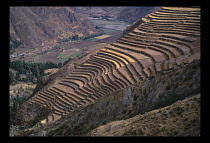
column 173, row 31
column 178, row 11
column 105, row 63
column 57, row 108
column 108, row 84
column 90, row 67
column 147, row 46
column 127, row 58
column 81, row 93
column 134, row 53
column 64, row 100
column 92, row 73
column 78, row 80
column 37, row 102
column 44, row 97
column 127, row 75
column 82, row 77
column 94, row 67
column 82, row 73
column 105, row 69
column 116, row 64
column 40, row 100
column 58, row 90
column 119, row 75
column 70, row 84
column 115, row 59
column 115, row 56
column 185, row 9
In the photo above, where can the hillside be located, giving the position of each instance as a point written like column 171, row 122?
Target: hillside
column 40, row 26
column 127, row 14
column 154, row 64
column 179, row 119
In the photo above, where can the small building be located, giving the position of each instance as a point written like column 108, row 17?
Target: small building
column 22, row 54
column 13, row 56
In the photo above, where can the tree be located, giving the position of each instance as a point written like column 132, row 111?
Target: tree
column 59, row 65
column 17, row 77
column 11, row 78
column 21, row 88
column 75, row 37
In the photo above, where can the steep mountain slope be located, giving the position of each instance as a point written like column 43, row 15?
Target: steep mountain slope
column 179, row 119
column 153, row 65
column 127, row 14
column 36, row 26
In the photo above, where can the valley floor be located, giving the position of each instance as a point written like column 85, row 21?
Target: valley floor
column 112, row 31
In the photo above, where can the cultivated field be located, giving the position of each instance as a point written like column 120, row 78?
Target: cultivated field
column 17, row 86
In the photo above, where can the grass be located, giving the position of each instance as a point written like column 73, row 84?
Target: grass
column 92, row 39
column 77, row 54
column 61, row 55
column 109, row 31
column 64, row 59
column 67, row 57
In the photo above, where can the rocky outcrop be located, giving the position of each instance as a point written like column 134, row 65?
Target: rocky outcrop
column 133, row 26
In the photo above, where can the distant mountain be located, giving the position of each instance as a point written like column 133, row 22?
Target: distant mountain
column 131, row 14
column 35, row 26
column 127, row 14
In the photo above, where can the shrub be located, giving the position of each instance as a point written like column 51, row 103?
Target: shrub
column 168, row 87
column 104, row 122
column 151, row 77
column 144, row 92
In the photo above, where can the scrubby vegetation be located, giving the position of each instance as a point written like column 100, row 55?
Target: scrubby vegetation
column 76, row 37
column 72, row 38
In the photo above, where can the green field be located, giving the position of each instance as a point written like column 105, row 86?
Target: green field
column 109, row 31
column 61, row 55
column 65, row 57
column 92, row 39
